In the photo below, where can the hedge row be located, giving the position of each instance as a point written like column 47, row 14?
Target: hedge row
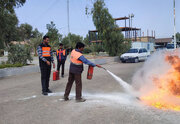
column 10, row 65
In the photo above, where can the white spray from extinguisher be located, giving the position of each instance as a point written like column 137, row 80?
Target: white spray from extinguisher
column 128, row 88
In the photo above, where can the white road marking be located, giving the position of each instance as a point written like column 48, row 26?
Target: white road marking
column 27, row 98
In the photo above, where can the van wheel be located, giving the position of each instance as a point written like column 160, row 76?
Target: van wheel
column 136, row 60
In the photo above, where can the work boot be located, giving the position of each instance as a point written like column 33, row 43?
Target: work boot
column 45, row 93
column 49, row 91
column 80, row 100
column 66, row 99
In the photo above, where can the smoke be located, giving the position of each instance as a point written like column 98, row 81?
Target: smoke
column 156, row 72
column 154, row 66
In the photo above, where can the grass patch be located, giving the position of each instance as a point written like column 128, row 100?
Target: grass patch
column 10, row 65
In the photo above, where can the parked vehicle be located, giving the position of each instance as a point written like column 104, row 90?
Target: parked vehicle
column 135, row 55
column 170, row 46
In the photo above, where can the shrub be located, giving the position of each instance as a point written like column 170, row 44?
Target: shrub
column 19, row 54
column 97, row 48
column 125, row 46
column 87, row 50
column 3, row 62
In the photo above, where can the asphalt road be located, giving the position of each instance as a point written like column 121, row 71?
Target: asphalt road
column 21, row 101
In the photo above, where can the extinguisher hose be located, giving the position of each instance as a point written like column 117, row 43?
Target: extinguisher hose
column 104, row 68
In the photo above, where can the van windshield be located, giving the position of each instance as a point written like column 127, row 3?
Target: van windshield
column 133, row 51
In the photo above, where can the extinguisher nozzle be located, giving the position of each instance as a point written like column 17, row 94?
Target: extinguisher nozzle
column 104, row 68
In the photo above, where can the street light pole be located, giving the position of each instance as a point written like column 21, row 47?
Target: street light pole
column 68, row 15
column 174, row 27
column 132, row 16
column 130, row 24
column 68, row 20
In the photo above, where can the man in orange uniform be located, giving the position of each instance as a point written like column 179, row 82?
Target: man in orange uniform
column 76, row 68
column 45, row 59
column 61, row 58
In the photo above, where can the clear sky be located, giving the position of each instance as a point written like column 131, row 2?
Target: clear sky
column 149, row 14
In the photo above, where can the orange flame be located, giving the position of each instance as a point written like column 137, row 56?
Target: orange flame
column 166, row 94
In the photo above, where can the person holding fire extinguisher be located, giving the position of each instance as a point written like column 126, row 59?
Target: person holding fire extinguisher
column 61, row 58
column 45, row 59
column 76, row 68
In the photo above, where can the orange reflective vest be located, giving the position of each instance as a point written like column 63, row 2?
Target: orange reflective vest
column 74, row 57
column 59, row 53
column 46, row 51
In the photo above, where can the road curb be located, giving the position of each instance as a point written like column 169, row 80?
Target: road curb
column 35, row 68
column 105, row 60
column 19, row 70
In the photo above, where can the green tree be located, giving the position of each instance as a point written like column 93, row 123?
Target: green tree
column 93, row 36
column 36, row 33
column 65, row 42
column 8, row 21
column 73, row 40
column 125, row 46
column 96, row 48
column 178, row 36
column 86, row 40
column 54, row 35
column 36, row 40
column 9, row 5
column 107, row 29
column 25, row 32
column 8, row 26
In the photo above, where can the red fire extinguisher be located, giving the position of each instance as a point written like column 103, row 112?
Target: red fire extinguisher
column 90, row 72
column 54, row 75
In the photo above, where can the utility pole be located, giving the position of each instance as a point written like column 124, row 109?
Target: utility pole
column 68, row 19
column 131, row 16
column 174, row 27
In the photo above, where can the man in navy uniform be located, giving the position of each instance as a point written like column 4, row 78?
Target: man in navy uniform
column 61, row 58
column 76, row 68
column 45, row 59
